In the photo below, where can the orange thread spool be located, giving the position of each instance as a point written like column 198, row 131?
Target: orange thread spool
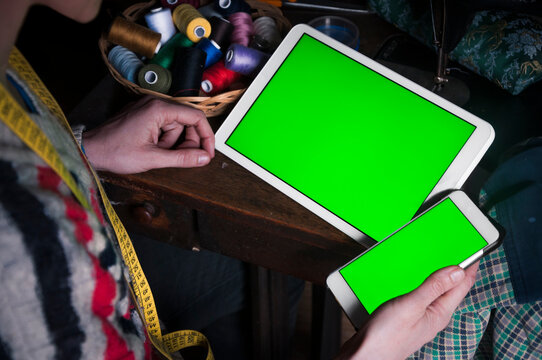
column 190, row 22
column 134, row 37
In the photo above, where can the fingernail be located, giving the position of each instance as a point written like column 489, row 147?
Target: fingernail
column 203, row 159
column 457, row 275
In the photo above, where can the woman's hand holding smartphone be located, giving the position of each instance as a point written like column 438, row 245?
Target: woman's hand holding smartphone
column 404, row 324
column 411, row 282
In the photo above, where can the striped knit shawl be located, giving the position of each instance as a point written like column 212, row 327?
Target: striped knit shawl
column 63, row 290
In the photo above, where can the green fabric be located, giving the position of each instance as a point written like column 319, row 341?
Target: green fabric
column 505, row 48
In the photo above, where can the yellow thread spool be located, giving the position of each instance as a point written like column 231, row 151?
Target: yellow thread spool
column 134, row 37
column 190, row 22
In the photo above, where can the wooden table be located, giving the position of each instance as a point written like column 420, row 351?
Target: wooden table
column 224, row 208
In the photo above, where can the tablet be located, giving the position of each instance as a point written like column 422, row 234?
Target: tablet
column 354, row 142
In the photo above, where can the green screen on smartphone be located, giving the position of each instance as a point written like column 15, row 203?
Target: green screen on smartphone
column 441, row 237
column 365, row 148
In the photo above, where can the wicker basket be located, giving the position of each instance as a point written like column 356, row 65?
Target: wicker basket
column 210, row 105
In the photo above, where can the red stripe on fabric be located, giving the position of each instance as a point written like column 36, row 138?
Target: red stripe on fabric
column 105, row 289
column 149, row 354
column 104, row 292
column 116, row 346
column 78, row 215
column 48, row 178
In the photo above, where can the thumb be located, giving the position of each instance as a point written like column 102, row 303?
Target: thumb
column 177, row 158
column 437, row 284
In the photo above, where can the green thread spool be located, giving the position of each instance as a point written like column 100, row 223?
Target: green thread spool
column 165, row 56
column 154, row 77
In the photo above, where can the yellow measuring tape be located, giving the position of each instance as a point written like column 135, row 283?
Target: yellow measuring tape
column 24, row 127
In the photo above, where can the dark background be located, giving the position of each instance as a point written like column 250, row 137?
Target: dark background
column 65, row 55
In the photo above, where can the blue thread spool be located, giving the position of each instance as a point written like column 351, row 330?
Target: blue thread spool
column 125, row 62
column 338, row 28
column 211, row 49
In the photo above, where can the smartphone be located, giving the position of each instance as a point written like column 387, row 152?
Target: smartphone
column 452, row 232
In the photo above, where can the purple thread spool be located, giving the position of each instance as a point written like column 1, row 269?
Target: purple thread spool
column 244, row 60
column 243, row 28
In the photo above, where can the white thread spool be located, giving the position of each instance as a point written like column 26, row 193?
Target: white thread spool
column 160, row 20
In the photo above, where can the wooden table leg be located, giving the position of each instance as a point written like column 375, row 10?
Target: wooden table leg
column 269, row 297
column 326, row 324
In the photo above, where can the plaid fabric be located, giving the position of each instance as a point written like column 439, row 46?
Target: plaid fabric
column 489, row 324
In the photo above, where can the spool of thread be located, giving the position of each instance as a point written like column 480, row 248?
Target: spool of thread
column 190, row 22
column 221, row 31
column 266, row 27
column 244, row 60
column 172, row 4
column 217, row 78
column 165, row 56
column 187, row 70
column 211, row 49
column 134, row 37
column 160, row 20
column 243, row 28
column 228, row 7
column 258, row 43
column 125, row 62
column 208, row 11
column 154, row 77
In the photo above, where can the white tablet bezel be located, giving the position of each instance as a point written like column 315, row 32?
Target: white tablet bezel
column 349, row 301
column 453, row 178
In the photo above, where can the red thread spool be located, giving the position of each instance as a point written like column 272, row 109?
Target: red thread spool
column 217, row 78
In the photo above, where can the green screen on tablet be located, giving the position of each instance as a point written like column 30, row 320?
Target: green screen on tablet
column 360, row 145
column 441, row 237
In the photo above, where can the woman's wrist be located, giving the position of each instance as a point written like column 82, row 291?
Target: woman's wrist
column 92, row 149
